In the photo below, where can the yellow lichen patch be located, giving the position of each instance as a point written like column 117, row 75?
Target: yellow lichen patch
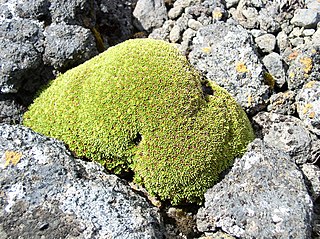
column 306, row 108
column 310, row 84
column 307, row 62
column 217, row 15
column 206, row 49
column 291, row 75
column 293, row 56
column 250, row 100
column 241, row 67
column 312, row 115
column 12, row 157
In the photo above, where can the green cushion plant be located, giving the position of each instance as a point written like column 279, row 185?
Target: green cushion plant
column 140, row 105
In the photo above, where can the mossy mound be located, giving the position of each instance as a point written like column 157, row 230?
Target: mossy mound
column 141, row 105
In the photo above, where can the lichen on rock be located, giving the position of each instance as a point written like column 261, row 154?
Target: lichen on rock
column 140, row 105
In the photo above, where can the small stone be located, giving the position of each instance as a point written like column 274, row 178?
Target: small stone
column 231, row 3
column 193, row 24
column 282, row 41
column 296, row 32
column 274, row 65
column 175, row 12
column 298, row 41
column 308, row 32
column 175, row 34
column 188, row 35
column 313, row 4
column 266, row 42
column 316, row 37
column 282, row 103
column 307, row 18
column 308, row 102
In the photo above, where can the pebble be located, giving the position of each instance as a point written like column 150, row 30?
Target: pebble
column 307, row 18
column 266, row 43
column 274, row 65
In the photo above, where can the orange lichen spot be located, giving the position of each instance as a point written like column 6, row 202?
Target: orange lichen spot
column 307, row 62
column 306, row 108
column 293, row 55
column 241, row 67
column 12, row 157
column 312, row 115
column 310, row 84
column 217, row 15
column 206, row 49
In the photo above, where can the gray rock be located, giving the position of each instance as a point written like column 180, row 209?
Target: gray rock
column 266, row 43
column 163, row 33
column 282, row 41
column 274, row 65
column 263, row 196
column 231, row 3
column 282, row 103
column 10, row 110
column 224, row 54
column 150, row 14
column 312, row 173
column 316, row 37
column 115, row 20
column 313, row 4
column 304, row 66
column 21, row 47
column 194, row 25
column 308, row 102
column 307, row 18
column 67, row 46
column 175, row 12
column 286, row 133
column 46, row 193
column 175, row 34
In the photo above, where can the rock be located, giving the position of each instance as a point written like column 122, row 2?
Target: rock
column 312, row 173
column 285, row 133
column 316, row 37
column 194, row 25
column 175, row 12
column 163, row 33
column 282, row 103
column 282, row 41
column 304, row 66
column 224, row 54
column 307, row 18
column 10, row 110
column 266, row 43
column 313, row 4
column 175, row 34
column 231, row 3
column 21, row 47
column 150, row 14
column 67, row 46
column 274, row 65
column 217, row 235
column 263, row 196
column 115, row 20
column 46, row 193
column 308, row 102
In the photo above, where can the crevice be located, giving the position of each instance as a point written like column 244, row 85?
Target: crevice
column 137, row 139
column 206, row 88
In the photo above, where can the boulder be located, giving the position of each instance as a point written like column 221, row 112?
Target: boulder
column 224, row 53
column 263, row 196
column 47, row 193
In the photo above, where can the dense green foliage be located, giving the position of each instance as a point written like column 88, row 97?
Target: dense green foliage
column 145, row 89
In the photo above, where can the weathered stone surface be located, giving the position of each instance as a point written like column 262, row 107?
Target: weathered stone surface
column 304, row 66
column 286, row 133
column 266, row 43
column 224, row 54
column 67, row 46
column 21, row 47
column 263, row 196
column 150, row 14
column 46, row 193
column 308, row 106
column 282, row 103
column 307, row 18
column 273, row 63
column 10, row 111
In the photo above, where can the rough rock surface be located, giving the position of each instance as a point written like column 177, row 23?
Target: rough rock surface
column 258, row 198
column 46, row 193
column 308, row 106
column 10, row 111
column 224, row 53
column 286, row 133
column 150, row 14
